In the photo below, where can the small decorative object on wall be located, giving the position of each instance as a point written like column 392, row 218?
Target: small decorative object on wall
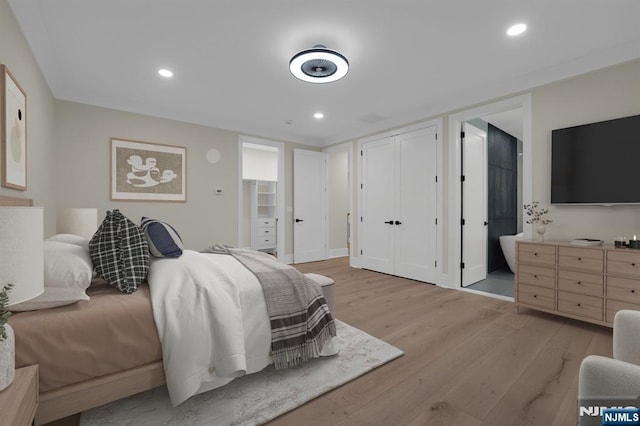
column 144, row 171
column 13, row 129
column 537, row 217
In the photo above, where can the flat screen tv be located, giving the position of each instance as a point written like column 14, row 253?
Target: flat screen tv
column 597, row 163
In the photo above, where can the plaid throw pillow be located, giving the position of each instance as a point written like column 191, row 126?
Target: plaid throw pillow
column 120, row 253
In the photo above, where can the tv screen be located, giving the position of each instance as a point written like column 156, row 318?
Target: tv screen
column 597, row 163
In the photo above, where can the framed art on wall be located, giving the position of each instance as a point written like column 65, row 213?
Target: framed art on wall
column 144, row 171
column 13, row 129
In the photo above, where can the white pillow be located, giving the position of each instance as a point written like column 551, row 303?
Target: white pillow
column 67, row 275
column 71, row 239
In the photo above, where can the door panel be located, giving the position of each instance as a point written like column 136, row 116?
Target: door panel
column 309, row 200
column 416, row 201
column 474, row 236
column 377, row 237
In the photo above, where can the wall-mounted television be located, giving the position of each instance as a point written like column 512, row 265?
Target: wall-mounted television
column 596, row 163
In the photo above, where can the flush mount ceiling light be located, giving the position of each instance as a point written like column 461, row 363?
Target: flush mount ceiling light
column 318, row 115
column 516, row 29
column 319, row 65
column 165, row 73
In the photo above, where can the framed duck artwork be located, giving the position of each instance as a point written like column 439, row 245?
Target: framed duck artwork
column 144, row 171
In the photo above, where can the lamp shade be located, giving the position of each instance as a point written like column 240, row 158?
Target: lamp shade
column 77, row 221
column 22, row 252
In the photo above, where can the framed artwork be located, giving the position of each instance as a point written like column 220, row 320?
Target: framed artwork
column 13, row 129
column 143, row 171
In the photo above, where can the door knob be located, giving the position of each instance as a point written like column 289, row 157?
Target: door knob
column 299, row 220
column 389, row 222
column 398, row 222
column 486, row 223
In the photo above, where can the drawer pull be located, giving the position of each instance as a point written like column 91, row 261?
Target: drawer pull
column 580, row 259
column 535, row 254
column 579, row 305
column 535, row 296
column 633, row 291
column 633, row 264
column 535, row 276
column 579, row 282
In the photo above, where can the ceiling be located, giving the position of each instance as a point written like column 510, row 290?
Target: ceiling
column 409, row 59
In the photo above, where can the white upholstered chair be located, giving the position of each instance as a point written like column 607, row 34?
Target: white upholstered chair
column 620, row 375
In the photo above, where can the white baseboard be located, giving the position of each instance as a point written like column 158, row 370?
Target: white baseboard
column 354, row 262
column 333, row 253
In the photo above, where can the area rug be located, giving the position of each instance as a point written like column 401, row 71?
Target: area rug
column 256, row 398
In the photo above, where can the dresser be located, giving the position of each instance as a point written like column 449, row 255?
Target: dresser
column 585, row 283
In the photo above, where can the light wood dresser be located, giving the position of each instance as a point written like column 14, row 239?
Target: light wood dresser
column 585, row 283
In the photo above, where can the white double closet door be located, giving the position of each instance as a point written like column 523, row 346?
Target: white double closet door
column 399, row 205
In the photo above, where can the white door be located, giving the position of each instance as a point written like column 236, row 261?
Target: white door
column 474, row 205
column 309, row 200
column 416, row 204
column 378, row 205
column 399, row 205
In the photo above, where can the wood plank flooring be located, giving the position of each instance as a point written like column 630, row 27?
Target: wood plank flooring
column 469, row 359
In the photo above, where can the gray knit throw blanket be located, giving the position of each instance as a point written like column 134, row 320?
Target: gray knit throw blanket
column 301, row 322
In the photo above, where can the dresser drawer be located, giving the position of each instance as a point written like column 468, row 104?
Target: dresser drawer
column 266, row 241
column 580, row 282
column 538, row 254
column 535, row 275
column 584, row 259
column 580, row 304
column 537, row 296
column 613, row 306
column 266, row 222
column 623, row 262
column 265, row 232
column 623, row 289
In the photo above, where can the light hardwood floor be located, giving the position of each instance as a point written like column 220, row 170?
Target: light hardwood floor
column 469, row 359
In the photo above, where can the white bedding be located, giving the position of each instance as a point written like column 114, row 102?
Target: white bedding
column 212, row 321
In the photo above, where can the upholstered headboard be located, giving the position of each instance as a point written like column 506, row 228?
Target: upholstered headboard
column 15, row 201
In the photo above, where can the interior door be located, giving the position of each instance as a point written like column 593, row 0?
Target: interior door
column 309, row 201
column 378, row 205
column 416, row 204
column 474, row 205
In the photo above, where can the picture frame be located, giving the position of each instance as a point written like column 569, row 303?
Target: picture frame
column 146, row 171
column 13, row 131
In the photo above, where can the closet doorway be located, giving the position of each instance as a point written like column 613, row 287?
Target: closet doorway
column 490, row 161
column 261, row 195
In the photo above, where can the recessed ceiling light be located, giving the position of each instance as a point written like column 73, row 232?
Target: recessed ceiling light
column 165, row 73
column 319, row 65
column 516, row 29
column 318, row 115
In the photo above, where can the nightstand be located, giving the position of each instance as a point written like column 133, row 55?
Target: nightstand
column 19, row 401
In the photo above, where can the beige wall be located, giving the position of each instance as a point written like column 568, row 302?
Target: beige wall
column 83, row 135
column 601, row 95
column 16, row 55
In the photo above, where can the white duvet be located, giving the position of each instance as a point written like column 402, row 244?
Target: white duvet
column 212, row 321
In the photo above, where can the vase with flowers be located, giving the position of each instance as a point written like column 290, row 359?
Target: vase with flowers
column 537, row 217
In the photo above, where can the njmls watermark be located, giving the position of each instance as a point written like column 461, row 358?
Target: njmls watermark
column 609, row 411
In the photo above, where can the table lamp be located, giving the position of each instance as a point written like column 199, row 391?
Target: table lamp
column 77, row 221
column 22, row 265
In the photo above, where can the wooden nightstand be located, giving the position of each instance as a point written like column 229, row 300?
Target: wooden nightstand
column 19, row 401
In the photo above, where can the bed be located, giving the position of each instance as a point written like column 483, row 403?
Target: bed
column 103, row 373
